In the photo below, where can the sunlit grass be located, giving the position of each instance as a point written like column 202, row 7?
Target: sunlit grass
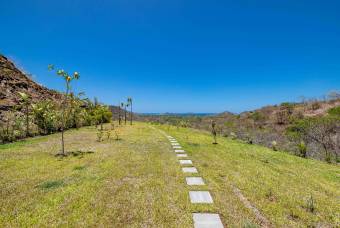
column 134, row 182
column 278, row 184
column 137, row 182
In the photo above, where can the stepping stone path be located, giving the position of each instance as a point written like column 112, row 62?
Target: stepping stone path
column 194, row 180
column 185, row 162
column 182, row 155
column 189, row 170
column 200, row 197
column 201, row 220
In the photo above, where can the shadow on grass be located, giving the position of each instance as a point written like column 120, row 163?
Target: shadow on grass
column 77, row 153
column 193, row 144
column 79, row 167
column 51, row 184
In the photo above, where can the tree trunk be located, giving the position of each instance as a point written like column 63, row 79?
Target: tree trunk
column 63, row 120
column 62, row 141
column 119, row 118
column 125, row 115
column 131, row 114
column 27, row 122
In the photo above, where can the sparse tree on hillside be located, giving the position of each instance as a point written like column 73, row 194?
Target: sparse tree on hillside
column 25, row 102
column 320, row 130
column 282, row 117
column 65, row 103
column 334, row 95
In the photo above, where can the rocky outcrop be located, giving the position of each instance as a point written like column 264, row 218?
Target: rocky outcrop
column 13, row 81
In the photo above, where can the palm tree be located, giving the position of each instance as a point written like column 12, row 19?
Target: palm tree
column 121, row 106
column 125, row 112
column 129, row 100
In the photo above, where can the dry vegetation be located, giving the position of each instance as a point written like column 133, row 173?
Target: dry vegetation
column 272, row 125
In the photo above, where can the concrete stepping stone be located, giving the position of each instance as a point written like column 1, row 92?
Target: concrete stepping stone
column 189, row 170
column 194, row 181
column 185, row 162
column 179, row 151
column 200, row 197
column 182, row 155
column 207, row 220
column 175, row 144
column 177, row 147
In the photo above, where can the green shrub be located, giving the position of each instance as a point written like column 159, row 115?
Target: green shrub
column 100, row 135
column 257, row 116
column 334, row 111
column 288, row 106
column 274, row 145
column 302, row 149
column 310, row 204
column 233, row 136
column 45, row 116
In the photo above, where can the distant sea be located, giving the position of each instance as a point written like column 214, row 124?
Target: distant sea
column 177, row 114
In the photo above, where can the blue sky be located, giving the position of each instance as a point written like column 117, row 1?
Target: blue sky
column 179, row 55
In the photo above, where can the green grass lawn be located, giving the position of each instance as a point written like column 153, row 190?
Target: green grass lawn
column 137, row 182
column 276, row 183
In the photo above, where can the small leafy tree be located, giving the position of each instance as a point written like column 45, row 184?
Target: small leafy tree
column 103, row 115
column 213, row 131
column 25, row 102
column 302, row 149
column 65, row 103
column 274, row 145
column 334, row 111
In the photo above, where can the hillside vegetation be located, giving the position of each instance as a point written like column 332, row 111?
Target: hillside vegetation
column 28, row 109
column 307, row 129
column 136, row 181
